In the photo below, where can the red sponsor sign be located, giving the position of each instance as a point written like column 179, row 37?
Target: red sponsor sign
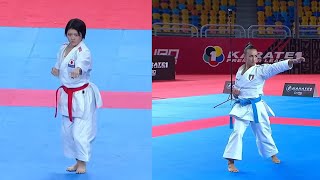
column 214, row 55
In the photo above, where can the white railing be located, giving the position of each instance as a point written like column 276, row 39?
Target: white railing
column 269, row 31
column 175, row 29
column 237, row 31
column 218, row 30
column 309, row 31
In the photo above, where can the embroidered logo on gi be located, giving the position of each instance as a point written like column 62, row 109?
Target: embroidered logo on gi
column 213, row 55
column 71, row 64
column 251, row 77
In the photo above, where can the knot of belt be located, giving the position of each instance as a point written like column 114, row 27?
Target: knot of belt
column 244, row 102
column 69, row 92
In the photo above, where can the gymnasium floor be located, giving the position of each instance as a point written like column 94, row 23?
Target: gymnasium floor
column 189, row 135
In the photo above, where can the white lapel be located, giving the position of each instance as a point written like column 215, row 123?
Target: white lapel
column 243, row 79
column 70, row 58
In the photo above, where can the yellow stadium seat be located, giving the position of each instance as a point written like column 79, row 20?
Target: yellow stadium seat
column 269, row 30
column 156, row 27
column 203, row 22
column 166, row 16
column 176, row 28
column 184, row 12
column 194, row 12
column 268, row 13
column 166, row 28
column 290, row 3
column 164, row 5
column 204, row 17
column 193, row 30
column 207, row 7
column 155, row 5
column 173, row 5
column 275, row 3
column 283, row 8
column 268, row 9
column 261, row 18
column 222, row 13
column 190, row 7
column 204, row 12
column 185, row 28
column 260, row 3
column 314, row 8
column 222, row 18
column 222, row 30
column 185, row 18
column 305, row 20
column 190, row 2
column 232, row 2
column 261, row 30
column 175, row 19
column 166, row 21
column 283, row 3
column 308, row 13
column 260, row 14
column 313, row 20
column 215, row 8
column 199, row 7
column 306, row 8
column 185, row 21
column 175, row 16
column 213, row 21
column 314, row 4
column 278, row 23
column 155, row 15
column 224, row 2
column 215, row 2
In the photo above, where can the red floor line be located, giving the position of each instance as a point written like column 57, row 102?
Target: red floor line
column 186, row 126
column 295, row 121
column 193, row 125
column 46, row 98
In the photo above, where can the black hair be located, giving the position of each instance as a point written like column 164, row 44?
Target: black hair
column 78, row 25
column 248, row 46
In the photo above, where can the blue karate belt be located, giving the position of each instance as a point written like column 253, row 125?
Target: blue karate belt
column 244, row 102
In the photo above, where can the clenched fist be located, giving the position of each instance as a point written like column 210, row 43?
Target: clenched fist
column 76, row 73
column 55, row 72
column 299, row 60
column 235, row 92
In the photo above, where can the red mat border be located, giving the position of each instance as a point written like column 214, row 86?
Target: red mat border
column 193, row 125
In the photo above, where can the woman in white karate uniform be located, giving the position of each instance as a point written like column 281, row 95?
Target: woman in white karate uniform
column 78, row 97
column 250, row 109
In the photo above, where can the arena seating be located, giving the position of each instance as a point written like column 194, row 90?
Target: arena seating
column 281, row 12
column 194, row 12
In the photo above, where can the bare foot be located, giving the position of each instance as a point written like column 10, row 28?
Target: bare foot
column 275, row 159
column 81, row 167
column 232, row 167
column 72, row 168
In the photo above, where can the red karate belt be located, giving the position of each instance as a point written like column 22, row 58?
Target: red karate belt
column 69, row 92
